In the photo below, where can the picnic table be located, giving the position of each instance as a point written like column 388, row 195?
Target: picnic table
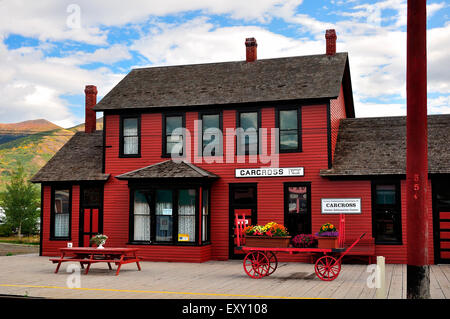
column 91, row 255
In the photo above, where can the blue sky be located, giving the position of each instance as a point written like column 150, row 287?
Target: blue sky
column 50, row 49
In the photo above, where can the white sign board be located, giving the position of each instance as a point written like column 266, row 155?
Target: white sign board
column 269, row 172
column 341, row 205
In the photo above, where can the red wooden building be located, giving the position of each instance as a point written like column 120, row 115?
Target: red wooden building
column 123, row 182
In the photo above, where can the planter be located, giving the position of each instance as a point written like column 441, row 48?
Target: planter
column 327, row 242
column 266, row 241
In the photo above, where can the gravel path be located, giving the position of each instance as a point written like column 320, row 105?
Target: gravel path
column 17, row 249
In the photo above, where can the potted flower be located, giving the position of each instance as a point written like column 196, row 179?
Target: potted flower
column 304, row 241
column 327, row 236
column 269, row 235
column 99, row 240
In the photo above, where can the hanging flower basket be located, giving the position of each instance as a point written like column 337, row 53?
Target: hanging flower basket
column 270, row 235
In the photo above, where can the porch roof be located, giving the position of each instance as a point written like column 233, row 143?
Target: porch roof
column 168, row 169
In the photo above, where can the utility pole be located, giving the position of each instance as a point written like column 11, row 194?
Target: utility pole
column 418, row 271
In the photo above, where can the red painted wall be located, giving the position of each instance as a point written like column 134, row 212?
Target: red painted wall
column 270, row 190
column 337, row 112
column 50, row 247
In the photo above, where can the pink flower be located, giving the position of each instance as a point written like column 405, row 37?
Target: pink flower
column 268, row 233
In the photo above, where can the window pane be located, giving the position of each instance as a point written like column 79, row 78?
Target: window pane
column 385, row 194
column 288, row 120
column 298, row 200
column 244, row 195
column 92, row 196
column 141, row 217
column 387, row 223
column 174, row 144
column 164, row 215
column 211, row 134
column 288, row 140
column 173, row 122
column 62, row 213
column 205, row 213
column 249, row 120
column 130, row 127
column 210, row 121
column 186, row 214
column 131, row 145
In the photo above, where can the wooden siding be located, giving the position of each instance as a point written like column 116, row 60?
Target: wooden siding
column 337, row 112
column 313, row 158
column 50, row 247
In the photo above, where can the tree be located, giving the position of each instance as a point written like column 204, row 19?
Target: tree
column 20, row 201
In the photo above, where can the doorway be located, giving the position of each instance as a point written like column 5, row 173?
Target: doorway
column 91, row 213
column 441, row 221
column 243, row 201
column 297, row 208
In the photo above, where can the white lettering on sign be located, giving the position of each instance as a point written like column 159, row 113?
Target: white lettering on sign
column 269, row 172
column 341, row 205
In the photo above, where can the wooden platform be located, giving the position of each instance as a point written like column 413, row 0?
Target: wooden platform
column 32, row 276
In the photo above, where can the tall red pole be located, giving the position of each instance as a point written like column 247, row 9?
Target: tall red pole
column 418, row 272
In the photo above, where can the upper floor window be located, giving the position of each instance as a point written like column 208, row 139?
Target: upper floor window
column 60, row 219
column 289, row 125
column 386, row 213
column 130, row 136
column 247, row 125
column 211, row 143
column 173, row 135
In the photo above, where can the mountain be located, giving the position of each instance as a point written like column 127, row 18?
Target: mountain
column 13, row 131
column 35, row 149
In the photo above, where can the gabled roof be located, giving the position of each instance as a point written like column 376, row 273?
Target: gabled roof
column 281, row 79
column 168, row 169
column 80, row 159
column 377, row 146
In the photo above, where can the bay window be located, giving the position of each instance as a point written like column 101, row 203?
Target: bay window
column 169, row 215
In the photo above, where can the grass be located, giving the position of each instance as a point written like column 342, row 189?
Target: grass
column 29, row 240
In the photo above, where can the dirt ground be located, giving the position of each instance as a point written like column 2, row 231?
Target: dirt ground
column 17, row 249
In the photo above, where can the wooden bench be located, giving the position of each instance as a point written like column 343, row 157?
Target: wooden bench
column 364, row 250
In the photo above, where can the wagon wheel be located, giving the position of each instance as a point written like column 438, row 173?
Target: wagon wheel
column 273, row 262
column 256, row 264
column 327, row 268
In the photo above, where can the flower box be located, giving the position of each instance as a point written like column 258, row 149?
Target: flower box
column 325, row 242
column 266, row 241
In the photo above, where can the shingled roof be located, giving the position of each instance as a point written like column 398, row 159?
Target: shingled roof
column 377, row 146
column 80, row 159
column 291, row 78
column 168, row 169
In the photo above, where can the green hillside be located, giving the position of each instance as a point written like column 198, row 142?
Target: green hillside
column 34, row 150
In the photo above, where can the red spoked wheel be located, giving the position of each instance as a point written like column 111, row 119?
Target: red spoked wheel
column 256, row 264
column 273, row 262
column 327, row 268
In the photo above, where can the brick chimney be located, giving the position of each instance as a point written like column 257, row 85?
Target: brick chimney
column 331, row 37
column 90, row 118
column 250, row 52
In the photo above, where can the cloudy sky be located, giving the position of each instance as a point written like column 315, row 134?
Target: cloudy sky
column 50, row 49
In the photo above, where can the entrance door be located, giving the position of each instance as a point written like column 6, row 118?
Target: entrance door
column 91, row 214
column 297, row 208
column 243, row 201
column 441, row 221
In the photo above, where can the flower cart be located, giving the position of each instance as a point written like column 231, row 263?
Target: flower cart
column 261, row 261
